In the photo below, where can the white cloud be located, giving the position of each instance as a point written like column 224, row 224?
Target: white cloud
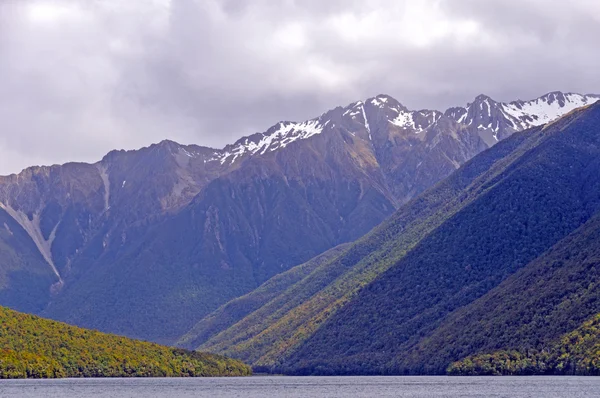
column 419, row 24
column 81, row 77
column 48, row 12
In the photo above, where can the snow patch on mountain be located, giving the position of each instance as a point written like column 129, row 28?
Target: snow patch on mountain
column 545, row 109
column 379, row 101
column 484, row 114
column 418, row 121
column 519, row 115
column 364, row 114
column 279, row 136
column 404, row 120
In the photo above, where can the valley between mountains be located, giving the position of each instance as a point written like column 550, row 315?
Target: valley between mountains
column 370, row 240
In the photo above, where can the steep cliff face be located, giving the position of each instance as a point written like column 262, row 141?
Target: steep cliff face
column 166, row 234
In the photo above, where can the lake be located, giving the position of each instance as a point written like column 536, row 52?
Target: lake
column 318, row 387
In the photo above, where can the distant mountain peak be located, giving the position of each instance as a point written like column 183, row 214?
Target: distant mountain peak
column 382, row 101
column 497, row 120
column 482, row 98
column 278, row 136
column 493, row 120
column 284, row 133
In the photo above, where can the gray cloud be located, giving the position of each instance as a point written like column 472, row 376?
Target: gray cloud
column 81, row 77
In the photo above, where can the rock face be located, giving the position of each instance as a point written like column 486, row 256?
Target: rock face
column 147, row 242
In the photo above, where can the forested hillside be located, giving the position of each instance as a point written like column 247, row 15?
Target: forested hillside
column 575, row 353
column 530, row 310
column 236, row 310
column 32, row 347
column 524, row 208
column 383, row 305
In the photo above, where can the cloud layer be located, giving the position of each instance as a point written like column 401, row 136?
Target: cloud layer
column 81, row 77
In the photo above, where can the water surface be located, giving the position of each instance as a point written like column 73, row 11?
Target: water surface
column 317, row 387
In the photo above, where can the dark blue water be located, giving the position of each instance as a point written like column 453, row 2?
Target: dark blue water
column 318, row 387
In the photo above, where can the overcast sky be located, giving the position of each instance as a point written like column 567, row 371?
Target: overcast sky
column 81, row 77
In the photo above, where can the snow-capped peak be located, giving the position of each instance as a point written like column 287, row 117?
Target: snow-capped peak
column 526, row 114
column 492, row 120
column 277, row 137
column 496, row 120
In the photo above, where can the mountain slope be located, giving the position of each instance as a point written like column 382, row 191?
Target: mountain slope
column 530, row 310
column 73, row 213
column 543, row 196
column 516, row 201
column 32, row 347
column 575, row 353
column 242, row 229
column 235, row 310
column 25, row 277
column 146, row 243
column 271, row 211
column 286, row 321
column 527, row 208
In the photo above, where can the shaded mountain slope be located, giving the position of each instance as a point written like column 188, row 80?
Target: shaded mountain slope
column 530, row 310
column 75, row 213
column 235, row 310
column 528, row 207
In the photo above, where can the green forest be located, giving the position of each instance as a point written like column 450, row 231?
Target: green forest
column 33, row 347
column 576, row 353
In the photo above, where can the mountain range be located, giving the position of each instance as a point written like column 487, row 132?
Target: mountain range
column 501, row 255
column 149, row 243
